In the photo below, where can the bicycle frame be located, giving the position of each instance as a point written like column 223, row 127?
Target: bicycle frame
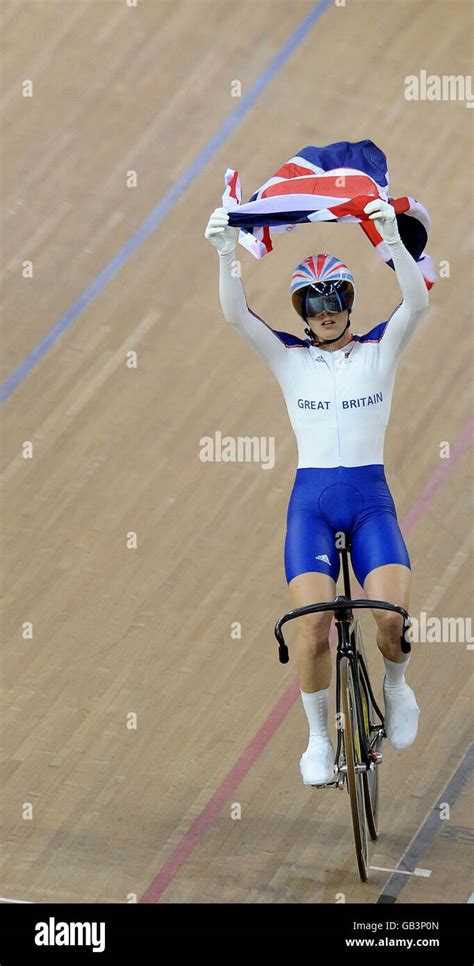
column 347, row 647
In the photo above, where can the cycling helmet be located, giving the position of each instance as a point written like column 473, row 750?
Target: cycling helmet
column 321, row 283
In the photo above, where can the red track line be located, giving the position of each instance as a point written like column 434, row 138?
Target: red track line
column 226, row 788
column 254, row 749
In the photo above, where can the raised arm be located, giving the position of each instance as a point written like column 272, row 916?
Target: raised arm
column 403, row 322
column 265, row 340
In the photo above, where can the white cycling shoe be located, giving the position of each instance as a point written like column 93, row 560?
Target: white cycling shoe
column 401, row 715
column 317, row 762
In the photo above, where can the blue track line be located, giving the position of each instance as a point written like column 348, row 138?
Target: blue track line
column 159, row 212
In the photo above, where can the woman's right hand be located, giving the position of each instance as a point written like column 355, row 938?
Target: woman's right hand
column 219, row 234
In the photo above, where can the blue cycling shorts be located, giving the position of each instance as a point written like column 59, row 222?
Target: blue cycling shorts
column 351, row 500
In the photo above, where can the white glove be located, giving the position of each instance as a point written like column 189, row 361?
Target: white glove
column 219, row 234
column 385, row 219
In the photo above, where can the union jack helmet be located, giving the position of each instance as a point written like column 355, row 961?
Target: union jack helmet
column 321, row 283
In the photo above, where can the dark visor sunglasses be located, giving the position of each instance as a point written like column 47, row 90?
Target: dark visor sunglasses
column 329, row 299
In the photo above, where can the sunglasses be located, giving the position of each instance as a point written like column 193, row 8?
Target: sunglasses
column 315, row 303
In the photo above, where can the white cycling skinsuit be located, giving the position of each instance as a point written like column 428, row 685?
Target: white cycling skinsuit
column 338, row 402
column 339, row 406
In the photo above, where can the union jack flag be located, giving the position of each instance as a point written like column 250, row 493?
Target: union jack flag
column 329, row 183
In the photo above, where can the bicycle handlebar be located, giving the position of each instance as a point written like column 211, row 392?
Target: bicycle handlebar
column 339, row 606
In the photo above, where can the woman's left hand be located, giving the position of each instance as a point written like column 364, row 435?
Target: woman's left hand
column 385, row 219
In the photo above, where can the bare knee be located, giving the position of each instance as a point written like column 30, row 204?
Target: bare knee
column 314, row 633
column 390, row 626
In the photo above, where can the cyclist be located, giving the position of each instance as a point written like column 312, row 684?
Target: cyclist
column 337, row 388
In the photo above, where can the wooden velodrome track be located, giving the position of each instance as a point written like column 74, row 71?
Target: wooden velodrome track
column 99, row 806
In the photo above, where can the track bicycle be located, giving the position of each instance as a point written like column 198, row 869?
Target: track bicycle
column 359, row 720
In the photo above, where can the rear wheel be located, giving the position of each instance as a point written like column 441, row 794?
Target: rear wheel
column 352, row 754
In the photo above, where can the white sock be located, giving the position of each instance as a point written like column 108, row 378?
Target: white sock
column 315, row 704
column 395, row 673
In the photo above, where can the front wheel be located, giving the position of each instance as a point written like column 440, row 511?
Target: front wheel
column 373, row 739
column 353, row 758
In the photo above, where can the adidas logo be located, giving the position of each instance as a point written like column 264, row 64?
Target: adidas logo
column 324, row 557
